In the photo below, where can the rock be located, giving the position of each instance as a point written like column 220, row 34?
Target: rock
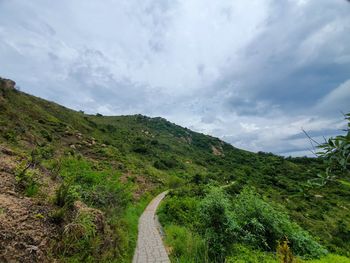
column 7, row 83
column 11, row 193
column 32, row 249
column 218, row 151
column 72, row 146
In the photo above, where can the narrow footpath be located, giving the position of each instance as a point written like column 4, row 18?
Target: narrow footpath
column 150, row 248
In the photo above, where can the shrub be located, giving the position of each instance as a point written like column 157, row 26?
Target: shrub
column 57, row 216
column 66, row 194
column 180, row 211
column 175, row 182
column 284, row 253
column 107, row 193
column 331, row 258
column 80, row 236
column 10, row 136
column 262, row 225
column 165, row 164
column 218, row 225
column 245, row 254
column 185, row 246
column 27, row 179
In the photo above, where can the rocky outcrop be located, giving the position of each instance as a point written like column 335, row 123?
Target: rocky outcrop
column 7, row 83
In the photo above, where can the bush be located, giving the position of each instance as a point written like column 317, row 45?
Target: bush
column 101, row 189
column 179, row 211
column 175, row 182
column 262, row 226
column 107, row 193
column 331, row 258
column 27, row 179
column 166, row 164
column 218, row 225
column 80, row 237
column 245, row 254
column 57, row 216
column 66, row 194
column 185, row 246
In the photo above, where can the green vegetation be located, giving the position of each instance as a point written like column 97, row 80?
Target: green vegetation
column 336, row 153
column 186, row 246
column 99, row 172
column 244, row 219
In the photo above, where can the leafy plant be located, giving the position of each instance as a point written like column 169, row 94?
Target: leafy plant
column 186, row 246
column 336, row 153
column 218, row 225
column 245, row 254
column 66, row 194
column 262, row 225
column 284, row 253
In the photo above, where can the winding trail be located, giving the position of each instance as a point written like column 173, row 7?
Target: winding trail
column 150, row 248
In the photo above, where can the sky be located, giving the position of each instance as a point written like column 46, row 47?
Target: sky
column 253, row 73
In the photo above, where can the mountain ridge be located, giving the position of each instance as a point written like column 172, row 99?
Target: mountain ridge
column 98, row 172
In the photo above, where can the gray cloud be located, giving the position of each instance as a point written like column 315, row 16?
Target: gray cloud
column 253, row 73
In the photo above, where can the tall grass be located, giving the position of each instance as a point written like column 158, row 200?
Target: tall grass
column 128, row 228
column 185, row 246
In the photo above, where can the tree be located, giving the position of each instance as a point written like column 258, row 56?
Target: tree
column 336, row 153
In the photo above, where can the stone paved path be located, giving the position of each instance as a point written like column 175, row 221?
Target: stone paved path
column 150, row 248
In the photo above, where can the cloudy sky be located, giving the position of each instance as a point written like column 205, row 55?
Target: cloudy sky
column 253, row 73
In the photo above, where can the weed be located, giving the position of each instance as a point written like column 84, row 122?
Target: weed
column 39, row 216
column 57, row 215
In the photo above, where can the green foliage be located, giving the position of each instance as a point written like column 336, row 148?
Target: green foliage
column 245, row 254
column 10, row 136
column 80, row 237
column 330, row 258
column 66, row 194
column 27, row 179
column 336, row 152
column 185, row 246
column 165, row 164
column 262, row 225
column 127, row 228
column 181, row 211
column 175, row 182
column 284, row 253
column 218, row 226
column 247, row 219
column 57, row 215
column 100, row 189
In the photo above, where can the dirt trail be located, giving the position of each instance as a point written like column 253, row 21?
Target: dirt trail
column 150, row 248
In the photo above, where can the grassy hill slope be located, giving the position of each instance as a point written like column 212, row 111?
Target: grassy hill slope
column 93, row 174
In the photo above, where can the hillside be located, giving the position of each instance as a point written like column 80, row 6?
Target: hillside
column 73, row 185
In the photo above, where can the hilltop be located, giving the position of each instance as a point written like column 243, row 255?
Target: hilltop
column 73, row 185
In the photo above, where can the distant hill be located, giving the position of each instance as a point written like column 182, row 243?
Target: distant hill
column 86, row 179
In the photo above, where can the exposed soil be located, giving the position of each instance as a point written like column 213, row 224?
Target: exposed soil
column 26, row 233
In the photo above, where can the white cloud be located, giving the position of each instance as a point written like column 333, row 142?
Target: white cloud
column 336, row 100
column 251, row 72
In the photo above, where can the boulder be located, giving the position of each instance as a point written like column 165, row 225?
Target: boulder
column 7, row 83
